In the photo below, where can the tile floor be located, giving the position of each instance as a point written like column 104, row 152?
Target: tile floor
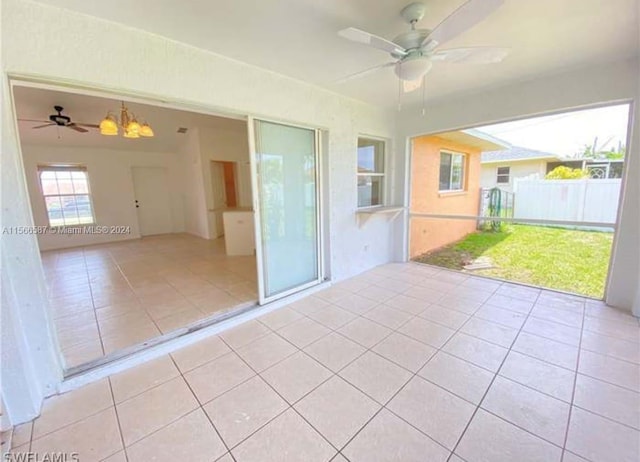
column 112, row 296
column 403, row 363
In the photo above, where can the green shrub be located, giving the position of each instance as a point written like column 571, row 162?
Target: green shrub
column 566, row 173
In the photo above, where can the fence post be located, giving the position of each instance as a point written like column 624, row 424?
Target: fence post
column 582, row 201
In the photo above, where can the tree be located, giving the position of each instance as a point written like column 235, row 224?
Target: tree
column 566, row 173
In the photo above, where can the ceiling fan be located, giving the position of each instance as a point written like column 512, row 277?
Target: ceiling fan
column 415, row 51
column 60, row 120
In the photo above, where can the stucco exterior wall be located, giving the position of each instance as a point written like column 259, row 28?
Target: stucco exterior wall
column 428, row 234
column 521, row 169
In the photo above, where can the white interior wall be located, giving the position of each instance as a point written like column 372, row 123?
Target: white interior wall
column 580, row 88
column 53, row 44
column 112, row 189
column 195, row 202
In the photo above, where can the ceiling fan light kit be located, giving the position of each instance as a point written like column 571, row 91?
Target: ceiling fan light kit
column 415, row 51
column 131, row 128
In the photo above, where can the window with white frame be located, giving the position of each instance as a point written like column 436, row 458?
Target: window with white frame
column 67, row 196
column 502, row 176
column 370, row 172
column 452, row 171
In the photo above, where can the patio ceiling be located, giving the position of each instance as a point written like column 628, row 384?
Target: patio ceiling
column 298, row 38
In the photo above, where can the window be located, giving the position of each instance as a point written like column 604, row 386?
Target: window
column 451, row 171
column 503, row 175
column 370, row 172
column 66, row 195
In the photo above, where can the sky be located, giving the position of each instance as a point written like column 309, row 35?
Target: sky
column 567, row 133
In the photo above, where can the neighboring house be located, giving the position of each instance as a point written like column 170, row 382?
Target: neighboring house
column 445, row 179
column 598, row 168
column 501, row 168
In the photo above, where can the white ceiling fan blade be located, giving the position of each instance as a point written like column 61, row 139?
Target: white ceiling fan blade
column 411, row 85
column 371, row 70
column 462, row 19
column 471, row 55
column 360, row 36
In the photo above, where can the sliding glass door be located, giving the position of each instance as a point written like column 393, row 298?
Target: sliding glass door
column 285, row 186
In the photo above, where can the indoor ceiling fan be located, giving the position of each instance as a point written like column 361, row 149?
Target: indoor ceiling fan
column 60, row 120
column 415, row 51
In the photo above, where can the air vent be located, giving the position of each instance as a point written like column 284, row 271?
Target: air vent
column 182, row 130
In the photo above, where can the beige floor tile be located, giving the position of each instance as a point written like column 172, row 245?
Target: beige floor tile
column 115, row 324
column 530, row 410
column 119, row 309
column 464, row 303
column 287, row 438
column 570, row 457
column 266, row 351
column 215, row 377
column 425, row 294
column 388, row 316
column 244, row 334
column 389, row 439
column 600, row 310
column 308, row 304
column 490, row 331
column 610, row 346
column 607, row 400
column 82, row 353
column 476, row 351
column 117, row 457
column 552, row 330
column 601, row 440
column 181, row 319
column 21, row 434
column 296, row 376
column 565, row 317
column 366, row 333
column 510, row 303
column 93, row 438
column 559, row 354
column 190, row 438
column 337, row 410
column 405, row 351
column 332, row 317
column 481, row 284
column 621, row 330
column 459, row 377
column 445, row 316
column 154, row 409
column 303, row 332
column 199, row 353
column 239, row 412
column 358, row 303
column 539, row 375
column 334, row 351
column 140, row 378
column 332, row 294
column 491, row 439
column 280, row 317
column 434, row 411
column 501, row 316
column 68, row 408
column 377, row 377
column 610, row 369
column 377, row 294
column 130, row 336
column 407, row 304
column 427, row 332
column 519, row 291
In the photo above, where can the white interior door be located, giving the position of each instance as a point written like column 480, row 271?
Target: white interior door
column 285, row 180
column 151, row 189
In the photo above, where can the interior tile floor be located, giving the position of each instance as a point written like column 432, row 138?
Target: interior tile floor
column 112, row 296
column 403, row 363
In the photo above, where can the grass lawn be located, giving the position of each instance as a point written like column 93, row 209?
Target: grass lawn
column 564, row 259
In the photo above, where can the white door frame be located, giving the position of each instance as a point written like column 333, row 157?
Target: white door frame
column 262, row 298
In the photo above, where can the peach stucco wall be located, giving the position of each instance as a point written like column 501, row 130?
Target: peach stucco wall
column 428, row 234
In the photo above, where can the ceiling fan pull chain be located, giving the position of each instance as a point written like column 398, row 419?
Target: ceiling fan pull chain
column 399, row 90
column 424, row 95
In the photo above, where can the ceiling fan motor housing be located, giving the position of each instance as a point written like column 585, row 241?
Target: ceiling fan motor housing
column 58, row 118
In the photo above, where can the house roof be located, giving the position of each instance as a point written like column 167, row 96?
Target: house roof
column 517, row 153
column 475, row 139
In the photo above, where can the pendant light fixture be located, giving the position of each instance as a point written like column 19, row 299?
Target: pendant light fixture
column 131, row 128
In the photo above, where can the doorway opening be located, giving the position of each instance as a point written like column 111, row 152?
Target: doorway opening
column 150, row 238
column 533, row 201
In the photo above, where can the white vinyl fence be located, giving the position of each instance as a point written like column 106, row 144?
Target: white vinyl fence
column 589, row 200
